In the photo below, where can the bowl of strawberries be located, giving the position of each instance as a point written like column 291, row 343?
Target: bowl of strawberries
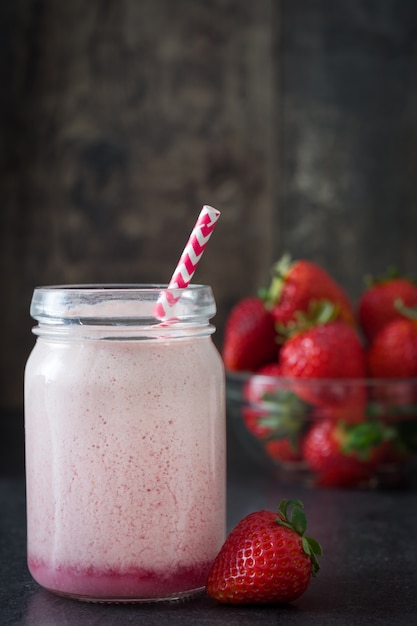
column 319, row 391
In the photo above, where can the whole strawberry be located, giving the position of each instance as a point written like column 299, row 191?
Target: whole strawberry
column 320, row 349
column 330, row 350
column 393, row 353
column 295, row 285
column 266, row 559
column 344, row 455
column 249, row 336
column 376, row 307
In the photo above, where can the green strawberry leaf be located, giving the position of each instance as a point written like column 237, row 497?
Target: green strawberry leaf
column 314, row 545
column 362, row 438
column 320, row 312
column 286, row 414
column 312, row 548
column 284, row 398
column 298, row 523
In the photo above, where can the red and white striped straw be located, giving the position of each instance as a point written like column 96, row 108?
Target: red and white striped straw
column 188, row 262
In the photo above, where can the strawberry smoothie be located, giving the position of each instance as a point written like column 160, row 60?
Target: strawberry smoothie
column 125, row 461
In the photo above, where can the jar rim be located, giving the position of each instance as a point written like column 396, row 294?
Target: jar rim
column 118, row 303
column 95, row 287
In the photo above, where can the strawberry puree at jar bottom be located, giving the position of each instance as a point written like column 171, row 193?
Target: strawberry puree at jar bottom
column 125, row 466
column 92, row 583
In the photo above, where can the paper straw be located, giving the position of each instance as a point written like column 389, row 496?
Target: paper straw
column 189, row 260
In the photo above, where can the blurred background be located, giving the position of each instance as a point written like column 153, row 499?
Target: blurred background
column 121, row 118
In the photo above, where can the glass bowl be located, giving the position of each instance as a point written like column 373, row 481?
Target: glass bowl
column 330, row 433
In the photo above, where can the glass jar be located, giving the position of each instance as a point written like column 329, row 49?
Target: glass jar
column 125, row 443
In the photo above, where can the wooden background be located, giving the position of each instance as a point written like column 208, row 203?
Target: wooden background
column 120, row 118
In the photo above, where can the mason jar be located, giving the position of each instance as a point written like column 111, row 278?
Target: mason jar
column 125, row 443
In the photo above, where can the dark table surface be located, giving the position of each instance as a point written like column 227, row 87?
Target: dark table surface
column 368, row 569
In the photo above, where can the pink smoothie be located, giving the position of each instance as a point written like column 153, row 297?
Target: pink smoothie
column 125, row 464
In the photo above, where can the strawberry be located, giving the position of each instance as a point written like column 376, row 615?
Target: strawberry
column 321, row 349
column 249, row 336
column 296, row 284
column 376, row 307
column 266, row 559
column 393, row 353
column 345, row 455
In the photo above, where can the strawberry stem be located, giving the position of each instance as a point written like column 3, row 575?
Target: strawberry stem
column 272, row 294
